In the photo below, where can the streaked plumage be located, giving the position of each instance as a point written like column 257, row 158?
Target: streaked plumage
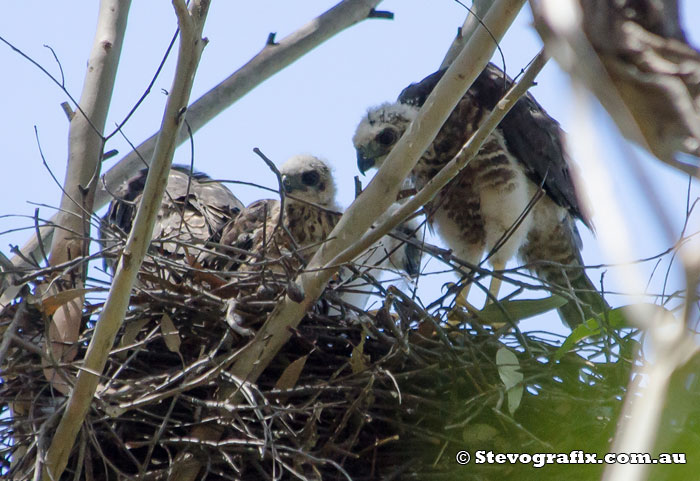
column 399, row 253
column 194, row 209
column 483, row 203
column 310, row 213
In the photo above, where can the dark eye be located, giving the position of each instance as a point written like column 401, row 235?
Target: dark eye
column 310, row 178
column 386, row 137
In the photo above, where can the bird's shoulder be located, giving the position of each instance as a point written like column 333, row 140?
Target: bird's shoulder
column 488, row 87
column 205, row 190
column 250, row 222
column 533, row 137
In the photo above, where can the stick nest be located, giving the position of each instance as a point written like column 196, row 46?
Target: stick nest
column 389, row 394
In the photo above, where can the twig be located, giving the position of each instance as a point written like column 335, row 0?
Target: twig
column 667, row 336
column 10, row 331
column 84, row 153
column 379, row 194
column 37, row 230
column 46, row 72
column 283, row 200
column 473, row 21
column 268, row 62
column 60, row 67
column 111, row 318
column 385, row 14
column 271, row 165
column 121, row 124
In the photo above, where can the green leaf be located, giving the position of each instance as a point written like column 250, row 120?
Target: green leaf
column 506, row 311
column 589, row 328
column 617, row 318
column 509, row 371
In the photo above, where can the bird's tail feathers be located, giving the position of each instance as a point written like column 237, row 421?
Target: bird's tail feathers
column 587, row 300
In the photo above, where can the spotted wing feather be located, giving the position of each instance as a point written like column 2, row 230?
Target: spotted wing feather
column 194, row 208
column 252, row 228
column 531, row 135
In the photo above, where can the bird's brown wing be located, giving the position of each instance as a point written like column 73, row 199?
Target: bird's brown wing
column 251, row 230
column 531, row 135
column 194, row 209
column 192, row 202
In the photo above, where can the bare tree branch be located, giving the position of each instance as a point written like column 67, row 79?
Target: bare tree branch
column 447, row 173
column 667, row 337
column 82, row 171
column 268, row 62
column 191, row 24
column 638, row 65
column 381, row 192
column 272, row 59
column 471, row 24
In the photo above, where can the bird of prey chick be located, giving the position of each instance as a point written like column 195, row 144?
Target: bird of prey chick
column 494, row 205
column 193, row 211
column 266, row 232
column 283, row 241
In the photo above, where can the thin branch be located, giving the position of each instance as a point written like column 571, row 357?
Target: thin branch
column 268, row 62
column 38, row 235
column 264, row 65
column 10, row 331
column 46, row 72
column 473, row 21
column 380, row 193
column 271, row 165
column 381, row 14
column 146, row 92
column 667, row 336
column 60, row 67
column 448, row 172
column 85, row 143
column 111, row 318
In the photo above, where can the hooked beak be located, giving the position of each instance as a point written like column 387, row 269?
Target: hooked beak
column 364, row 163
column 288, row 184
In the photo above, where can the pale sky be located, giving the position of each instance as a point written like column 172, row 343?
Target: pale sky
column 312, row 106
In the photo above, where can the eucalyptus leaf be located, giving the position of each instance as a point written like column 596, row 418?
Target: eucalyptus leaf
column 617, row 318
column 516, row 310
column 509, row 372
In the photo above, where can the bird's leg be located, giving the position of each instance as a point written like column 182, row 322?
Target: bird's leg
column 496, row 282
column 461, row 301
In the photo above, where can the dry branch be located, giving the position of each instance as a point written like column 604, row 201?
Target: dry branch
column 381, row 192
column 471, row 24
column 633, row 57
column 191, row 24
column 447, row 173
column 268, row 62
column 85, row 143
column 667, row 337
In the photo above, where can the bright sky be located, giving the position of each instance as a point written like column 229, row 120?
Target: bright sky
column 312, row 106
